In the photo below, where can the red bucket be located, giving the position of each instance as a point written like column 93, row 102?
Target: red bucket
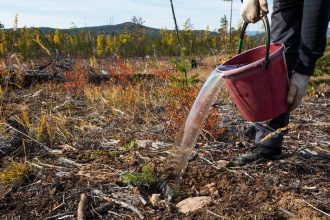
column 258, row 83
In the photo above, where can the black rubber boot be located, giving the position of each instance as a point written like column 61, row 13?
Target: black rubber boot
column 259, row 152
column 267, row 142
column 250, row 132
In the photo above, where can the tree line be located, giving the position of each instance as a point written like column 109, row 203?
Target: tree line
column 31, row 43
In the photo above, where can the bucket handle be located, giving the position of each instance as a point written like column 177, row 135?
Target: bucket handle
column 267, row 30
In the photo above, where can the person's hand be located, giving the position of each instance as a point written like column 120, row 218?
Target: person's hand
column 297, row 89
column 251, row 10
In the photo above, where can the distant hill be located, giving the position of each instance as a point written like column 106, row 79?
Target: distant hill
column 111, row 29
column 107, row 29
column 126, row 26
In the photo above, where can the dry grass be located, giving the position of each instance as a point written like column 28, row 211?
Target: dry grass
column 14, row 172
column 72, row 112
column 2, row 92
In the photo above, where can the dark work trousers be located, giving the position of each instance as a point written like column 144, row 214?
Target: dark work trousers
column 301, row 25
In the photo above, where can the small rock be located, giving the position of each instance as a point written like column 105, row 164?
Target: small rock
column 154, row 199
column 61, row 174
column 209, row 189
column 204, row 192
column 210, row 185
column 222, row 163
column 5, row 148
column 215, row 192
column 67, row 147
column 270, row 163
column 143, row 143
column 193, row 204
column 110, row 144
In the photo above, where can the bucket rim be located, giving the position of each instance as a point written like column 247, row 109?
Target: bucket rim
column 251, row 65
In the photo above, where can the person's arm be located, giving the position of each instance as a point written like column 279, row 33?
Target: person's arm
column 314, row 28
column 313, row 35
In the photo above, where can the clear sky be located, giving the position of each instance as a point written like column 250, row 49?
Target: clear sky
column 156, row 13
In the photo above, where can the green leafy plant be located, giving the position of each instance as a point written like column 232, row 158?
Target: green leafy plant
column 182, row 65
column 146, row 176
column 180, row 81
column 129, row 146
column 97, row 153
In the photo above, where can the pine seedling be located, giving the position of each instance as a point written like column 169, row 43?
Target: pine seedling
column 146, row 176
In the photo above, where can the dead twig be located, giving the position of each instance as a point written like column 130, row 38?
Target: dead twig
column 323, row 212
column 322, row 149
column 220, row 168
column 278, row 131
column 100, row 210
column 57, row 216
column 82, row 206
column 120, row 215
column 209, row 162
column 123, row 204
column 40, row 165
column 68, row 163
column 216, row 215
column 57, row 207
column 286, row 212
column 207, row 133
column 65, row 217
column 34, row 140
column 114, row 213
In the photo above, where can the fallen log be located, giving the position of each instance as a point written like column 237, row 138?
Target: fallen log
column 33, row 77
column 104, row 76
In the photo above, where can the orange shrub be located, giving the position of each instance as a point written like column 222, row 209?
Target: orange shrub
column 75, row 79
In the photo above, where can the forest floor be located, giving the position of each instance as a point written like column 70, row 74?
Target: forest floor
column 108, row 143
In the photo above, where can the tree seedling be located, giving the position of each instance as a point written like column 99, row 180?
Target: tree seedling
column 147, row 176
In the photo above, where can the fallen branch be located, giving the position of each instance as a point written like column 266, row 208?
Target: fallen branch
column 123, row 204
column 323, row 212
column 40, row 165
column 68, row 163
column 114, row 213
column 34, row 140
column 224, row 168
column 100, row 210
column 82, row 206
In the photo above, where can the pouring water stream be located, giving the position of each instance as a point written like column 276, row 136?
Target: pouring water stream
column 188, row 134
